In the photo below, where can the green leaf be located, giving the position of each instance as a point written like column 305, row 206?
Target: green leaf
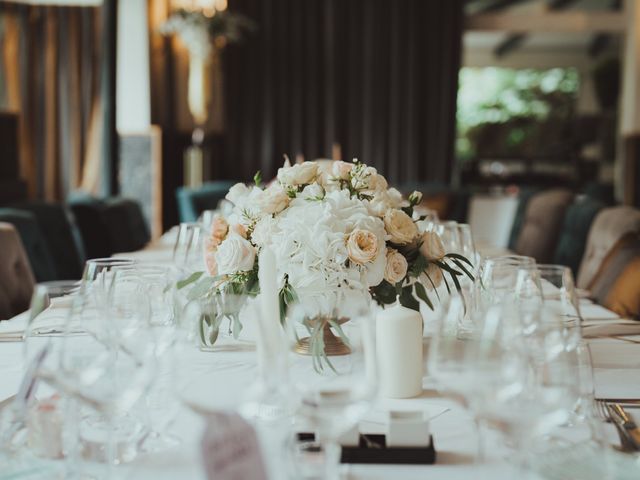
column 460, row 257
column 201, row 288
column 418, row 266
column 237, row 326
column 422, row 294
column 341, row 333
column 408, row 300
column 384, row 293
column 463, row 268
column 257, row 178
column 190, row 279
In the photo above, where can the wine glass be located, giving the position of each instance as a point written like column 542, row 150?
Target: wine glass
column 333, row 382
column 498, row 275
column 555, row 285
column 467, row 245
column 109, row 369
column 187, row 252
column 159, row 407
column 450, row 235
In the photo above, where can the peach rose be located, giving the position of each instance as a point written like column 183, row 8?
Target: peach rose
column 340, row 170
column 362, row 246
column 400, row 227
column 212, row 265
column 434, row 273
column 273, row 200
column 238, row 228
column 396, row 268
column 432, row 247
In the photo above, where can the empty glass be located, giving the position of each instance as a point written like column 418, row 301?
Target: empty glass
column 334, row 384
column 188, row 254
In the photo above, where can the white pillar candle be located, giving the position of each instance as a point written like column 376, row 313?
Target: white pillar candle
column 399, row 348
column 269, row 337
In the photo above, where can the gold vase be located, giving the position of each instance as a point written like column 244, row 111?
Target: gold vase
column 333, row 345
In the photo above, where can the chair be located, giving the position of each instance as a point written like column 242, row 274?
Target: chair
column 33, row 241
column 616, row 285
column 574, row 232
column 193, row 201
column 541, row 224
column 518, row 219
column 62, row 236
column 127, row 228
column 16, row 277
column 88, row 212
column 609, row 226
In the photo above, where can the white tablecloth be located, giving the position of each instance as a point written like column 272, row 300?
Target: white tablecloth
column 616, row 363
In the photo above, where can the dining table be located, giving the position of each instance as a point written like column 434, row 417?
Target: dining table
column 616, row 364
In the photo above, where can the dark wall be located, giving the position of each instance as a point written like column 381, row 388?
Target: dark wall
column 377, row 77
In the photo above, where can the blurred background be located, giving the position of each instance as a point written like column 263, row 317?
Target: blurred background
column 168, row 102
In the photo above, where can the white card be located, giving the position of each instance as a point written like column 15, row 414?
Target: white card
column 230, row 449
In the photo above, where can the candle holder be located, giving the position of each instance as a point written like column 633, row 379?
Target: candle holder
column 333, row 345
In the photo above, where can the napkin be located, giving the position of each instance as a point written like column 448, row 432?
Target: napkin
column 594, row 311
column 53, row 318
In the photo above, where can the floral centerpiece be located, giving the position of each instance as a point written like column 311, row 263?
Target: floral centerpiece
column 338, row 232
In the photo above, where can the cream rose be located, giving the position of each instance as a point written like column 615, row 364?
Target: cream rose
column 237, row 193
column 273, row 200
column 375, row 182
column 432, row 247
column 298, row 174
column 235, row 255
column 362, row 246
column 400, row 227
column 340, row 170
column 396, row 268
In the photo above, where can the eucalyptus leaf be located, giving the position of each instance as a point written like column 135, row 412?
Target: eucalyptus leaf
column 237, row 326
column 189, row 280
column 340, row 332
column 201, row 288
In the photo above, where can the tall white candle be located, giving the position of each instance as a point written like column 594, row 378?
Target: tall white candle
column 399, row 349
column 269, row 337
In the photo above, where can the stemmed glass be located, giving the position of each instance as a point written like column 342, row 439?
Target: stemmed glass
column 555, row 285
column 187, row 251
column 160, row 407
column 332, row 393
column 498, row 275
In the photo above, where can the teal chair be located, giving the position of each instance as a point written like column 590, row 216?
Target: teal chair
column 61, row 235
column 193, row 201
column 575, row 230
column 34, row 242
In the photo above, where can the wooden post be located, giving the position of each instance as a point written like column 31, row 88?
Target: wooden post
column 110, row 153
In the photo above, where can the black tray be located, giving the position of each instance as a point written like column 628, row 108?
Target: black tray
column 373, row 449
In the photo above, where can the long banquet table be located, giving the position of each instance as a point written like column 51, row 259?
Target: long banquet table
column 617, row 374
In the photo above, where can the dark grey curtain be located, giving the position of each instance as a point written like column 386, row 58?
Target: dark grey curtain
column 377, row 77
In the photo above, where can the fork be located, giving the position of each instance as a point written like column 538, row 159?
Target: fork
column 603, row 409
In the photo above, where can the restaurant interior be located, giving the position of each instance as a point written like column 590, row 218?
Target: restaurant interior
column 458, row 294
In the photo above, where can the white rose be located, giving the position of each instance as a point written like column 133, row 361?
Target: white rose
column 362, row 246
column 340, row 170
column 273, row 200
column 394, row 198
column 400, row 227
column 313, row 191
column 375, row 182
column 432, row 247
column 263, row 231
column 298, row 174
column 396, row 268
column 237, row 193
column 235, row 255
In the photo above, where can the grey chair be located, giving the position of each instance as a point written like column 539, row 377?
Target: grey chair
column 16, row 277
column 542, row 223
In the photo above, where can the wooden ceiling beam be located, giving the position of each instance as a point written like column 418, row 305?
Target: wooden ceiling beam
column 570, row 22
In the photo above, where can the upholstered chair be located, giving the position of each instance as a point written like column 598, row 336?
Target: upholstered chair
column 616, row 284
column 127, row 228
column 193, row 201
column 574, row 232
column 542, row 223
column 518, row 219
column 609, row 226
column 34, row 242
column 16, row 278
column 62, row 237
column 88, row 212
